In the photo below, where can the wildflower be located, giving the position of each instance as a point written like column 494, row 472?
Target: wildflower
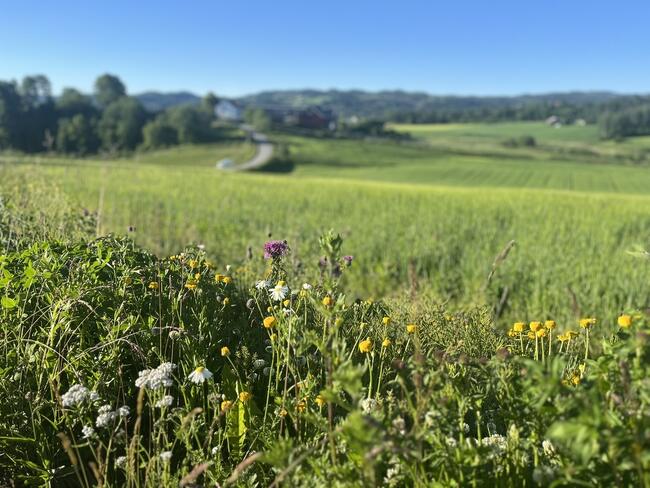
column 283, row 412
column 451, row 442
column 166, row 456
column 226, row 301
column 535, row 326
column 270, row 322
column 301, row 406
column 348, row 260
column 386, row 342
column 410, row 328
column 124, row 411
column 105, row 417
column 365, row 346
column 218, row 277
column 306, row 286
column 531, row 334
column 575, row 379
column 262, row 284
column 586, row 323
column 166, row 401
column 550, row 324
column 275, row 249
column 563, row 337
column 87, row 431
column 286, row 303
column 193, row 263
column 327, row 301
column 245, row 396
column 76, row 395
column 191, row 284
column 273, row 337
column 320, row 400
column 199, row 375
column 512, row 333
column 120, row 462
column 386, row 321
column 518, row 327
column 153, row 285
column 226, row 405
column 540, row 333
column 153, row 379
column 279, row 292
column 624, row 321
column 226, row 280
column 368, row 405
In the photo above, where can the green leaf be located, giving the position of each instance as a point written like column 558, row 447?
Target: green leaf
column 8, row 303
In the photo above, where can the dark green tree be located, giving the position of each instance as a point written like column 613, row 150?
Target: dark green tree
column 73, row 102
column 77, row 135
column 108, row 88
column 159, row 133
column 120, row 126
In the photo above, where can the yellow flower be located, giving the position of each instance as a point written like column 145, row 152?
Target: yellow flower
column 320, row 400
column 512, row 333
column 245, row 396
column 531, row 334
column 225, row 351
column 386, row 320
column 282, row 283
column 269, row 322
column 518, row 327
column 303, row 293
column 535, row 326
column 226, row 301
column 283, row 412
column 575, row 379
column 327, row 301
column 302, row 406
column 586, row 323
column 563, row 337
column 191, row 284
column 193, row 263
column 226, row 405
column 625, row 321
column 286, row 303
column 386, row 342
column 269, row 309
column 273, row 337
column 410, row 328
column 550, row 324
column 227, row 280
column 365, row 346
column 541, row 333
column 197, row 276
column 218, row 277
column 153, row 285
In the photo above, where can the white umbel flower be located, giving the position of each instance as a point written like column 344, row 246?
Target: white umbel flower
column 152, row 379
column 199, row 375
column 279, row 291
column 76, row 395
column 105, row 417
column 87, row 431
column 124, row 411
column 166, row 401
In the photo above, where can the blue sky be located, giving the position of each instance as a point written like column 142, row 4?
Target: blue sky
column 238, row 47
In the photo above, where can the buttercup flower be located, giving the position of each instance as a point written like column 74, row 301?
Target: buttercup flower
column 410, row 328
column 586, row 323
column 153, row 285
column 275, row 249
column 535, row 326
column 270, row 322
column 518, row 326
column 245, row 396
column 624, row 321
column 365, row 346
column 386, row 342
column 225, row 351
column 226, row 405
column 327, row 301
column 550, row 324
column 199, row 375
column 320, row 400
column 386, row 320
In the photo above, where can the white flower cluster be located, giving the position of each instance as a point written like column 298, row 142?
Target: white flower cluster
column 124, row 411
column 87, row 431
column 368, row 405
column 78, row 394
column 106, row 416
column 152, row 379
column 497, row 442
column 166, row 401
column 120, row 462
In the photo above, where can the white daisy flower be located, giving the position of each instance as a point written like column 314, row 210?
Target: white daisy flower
column 262, row 284
column 199, row 375
column 279, row 291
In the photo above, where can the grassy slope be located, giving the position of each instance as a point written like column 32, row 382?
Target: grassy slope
column 444, row 237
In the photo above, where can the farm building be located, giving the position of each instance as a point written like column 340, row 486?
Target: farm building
column 228, row 110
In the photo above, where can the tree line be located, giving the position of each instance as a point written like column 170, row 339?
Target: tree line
column 33, row 120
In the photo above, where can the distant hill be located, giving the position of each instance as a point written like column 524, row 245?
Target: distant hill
column 387, row 104
column 157, row 101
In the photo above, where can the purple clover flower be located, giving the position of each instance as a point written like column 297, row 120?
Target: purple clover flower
column 275, row 249
column 348, row 260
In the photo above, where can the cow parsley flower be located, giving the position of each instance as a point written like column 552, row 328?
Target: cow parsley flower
column 87, row 431
column 166, row 401
column 105, row 417
column 199, row 375
column 76, row 395
column 124, row 411
column 152, row 379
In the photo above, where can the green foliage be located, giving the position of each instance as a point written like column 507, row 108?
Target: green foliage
column 258, row 118
column 158, row 133
column 120, row 126
column 77, row 135
column 108, row 89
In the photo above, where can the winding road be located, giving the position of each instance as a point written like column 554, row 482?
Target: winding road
column 262, row 156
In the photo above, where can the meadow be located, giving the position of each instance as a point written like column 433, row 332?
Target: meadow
column 396, row 363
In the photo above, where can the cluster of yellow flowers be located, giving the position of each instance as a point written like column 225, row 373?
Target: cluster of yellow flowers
column 537, row 329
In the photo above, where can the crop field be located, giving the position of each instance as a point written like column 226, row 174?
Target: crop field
column 476, row 316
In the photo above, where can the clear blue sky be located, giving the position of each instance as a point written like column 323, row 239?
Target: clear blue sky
column 237, row 47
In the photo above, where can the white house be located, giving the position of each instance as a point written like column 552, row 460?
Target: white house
column 228, row 110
